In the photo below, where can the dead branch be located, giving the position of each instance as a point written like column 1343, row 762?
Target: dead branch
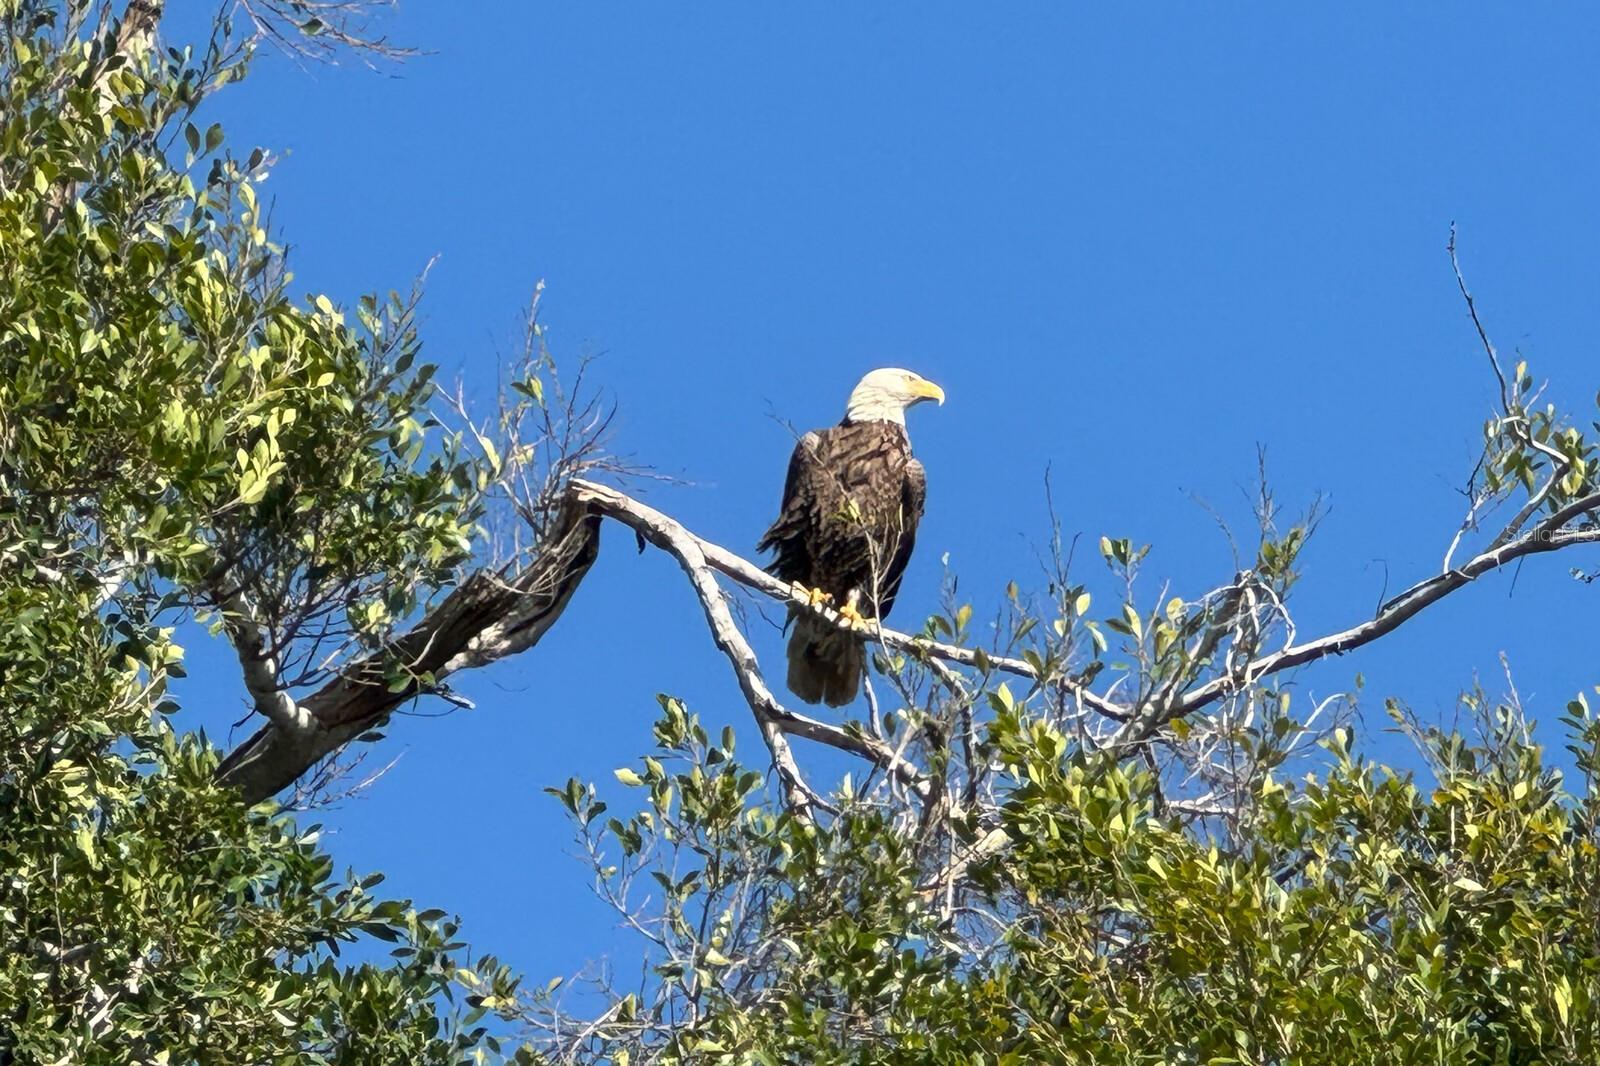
column 319, row 30
column 1549, row 535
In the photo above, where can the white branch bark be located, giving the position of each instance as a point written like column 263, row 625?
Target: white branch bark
column 668, row 535
column 259, row 668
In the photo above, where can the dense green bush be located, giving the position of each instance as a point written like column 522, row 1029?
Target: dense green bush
column 173, row 430
column 1356, row 915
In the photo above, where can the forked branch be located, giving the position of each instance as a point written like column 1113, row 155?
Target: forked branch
column 1552, row 534
column 486, row 618
column 695, row 556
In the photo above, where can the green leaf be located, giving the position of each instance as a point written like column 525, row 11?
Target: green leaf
column 1135, row 624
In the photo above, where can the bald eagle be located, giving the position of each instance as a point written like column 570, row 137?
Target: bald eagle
column 846, row 527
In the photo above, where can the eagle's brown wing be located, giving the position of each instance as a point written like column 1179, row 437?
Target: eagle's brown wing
column 790, row 534
column 913, row 494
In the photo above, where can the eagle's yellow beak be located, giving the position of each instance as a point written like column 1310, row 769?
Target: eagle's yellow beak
column 923, row 389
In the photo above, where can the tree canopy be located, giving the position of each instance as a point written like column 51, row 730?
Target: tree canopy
column 178, row 435
column 1084, row 833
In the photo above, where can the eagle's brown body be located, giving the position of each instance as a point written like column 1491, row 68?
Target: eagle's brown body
column 847, row 525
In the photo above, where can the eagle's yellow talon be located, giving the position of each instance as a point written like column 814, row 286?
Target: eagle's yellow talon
column 810, row 597
column 856, row 619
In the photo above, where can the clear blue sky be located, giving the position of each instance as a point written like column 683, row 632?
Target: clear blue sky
column 1131, row 245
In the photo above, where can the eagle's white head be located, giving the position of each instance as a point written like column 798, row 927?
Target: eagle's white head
column 884, row 395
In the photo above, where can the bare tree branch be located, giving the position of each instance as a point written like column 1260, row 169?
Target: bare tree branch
column 642, row 519
column 1548, row 535
column 1506, row 397
column 321, row 29
column 672, row 538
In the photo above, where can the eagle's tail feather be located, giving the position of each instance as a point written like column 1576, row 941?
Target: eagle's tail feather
column 825, row 662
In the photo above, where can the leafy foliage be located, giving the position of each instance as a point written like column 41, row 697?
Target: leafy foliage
column 177, row 432
column 1357, row 915
column 161, row 389
column 145, row 913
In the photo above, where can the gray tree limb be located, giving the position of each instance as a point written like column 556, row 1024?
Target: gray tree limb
column 671, row 537
column 1549, row 535
column 643, row 520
